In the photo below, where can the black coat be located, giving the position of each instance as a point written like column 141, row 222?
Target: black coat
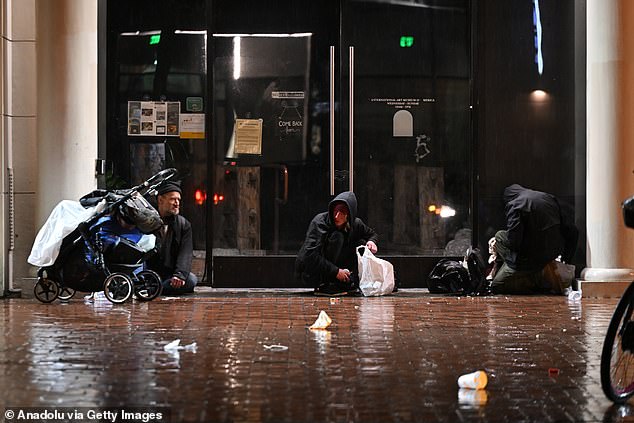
column 176, row 249
column 538, row 229
column 311, row 255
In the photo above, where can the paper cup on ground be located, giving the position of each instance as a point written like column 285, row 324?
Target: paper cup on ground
column 475, row 380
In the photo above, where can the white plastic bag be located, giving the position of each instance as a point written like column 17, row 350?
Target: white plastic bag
column 64, row 218
column 376, row 276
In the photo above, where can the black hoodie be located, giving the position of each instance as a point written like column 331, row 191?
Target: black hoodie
column 538, row 231
column 311, row 255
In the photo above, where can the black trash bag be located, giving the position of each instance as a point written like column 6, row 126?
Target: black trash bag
column 449, row 277
column 467, row 277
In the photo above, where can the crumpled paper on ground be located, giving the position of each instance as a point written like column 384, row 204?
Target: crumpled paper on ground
column 322, row 322
column 275, row 347
column 175, row 346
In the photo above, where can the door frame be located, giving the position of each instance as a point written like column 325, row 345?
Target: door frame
column 276, row 271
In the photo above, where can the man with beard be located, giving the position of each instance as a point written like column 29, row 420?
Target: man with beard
column 174, row 261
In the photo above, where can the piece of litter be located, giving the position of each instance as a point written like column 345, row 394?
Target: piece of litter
column 175, row 346
column 172, row 345
column 553, row 371
column 475, row 380
column 275, row 347
column 334, row 300
column 574, row 296
column 322, row 322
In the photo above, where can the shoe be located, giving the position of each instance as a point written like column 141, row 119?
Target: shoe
column 330, row 291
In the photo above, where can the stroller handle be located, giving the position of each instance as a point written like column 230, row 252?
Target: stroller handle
column 146, row 186
column 162, row 176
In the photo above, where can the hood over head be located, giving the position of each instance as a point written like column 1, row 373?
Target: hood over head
column 349, row 199
column 512, row 192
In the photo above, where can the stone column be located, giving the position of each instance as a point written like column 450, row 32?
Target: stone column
column 67, row 101
column 17, row 147
column 610, row 138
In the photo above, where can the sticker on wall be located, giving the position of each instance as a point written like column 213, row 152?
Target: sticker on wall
column 290, row 122
column 192, row 125
column 402, row 124
column 422, row 147
column 194, row 104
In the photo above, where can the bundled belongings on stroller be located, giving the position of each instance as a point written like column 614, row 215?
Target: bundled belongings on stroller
column 100, row 244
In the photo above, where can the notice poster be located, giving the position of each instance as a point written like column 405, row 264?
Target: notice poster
column 154, row 118
column 248, row 136
column 173, row 118
column 147, row 118
column 192, row 125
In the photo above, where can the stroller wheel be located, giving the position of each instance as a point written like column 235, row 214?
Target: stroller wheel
column 66, row 293
column 117, row 287
column 46, row 290
column 148, row 286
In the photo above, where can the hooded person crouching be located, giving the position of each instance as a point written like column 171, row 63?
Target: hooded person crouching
column 327, row 260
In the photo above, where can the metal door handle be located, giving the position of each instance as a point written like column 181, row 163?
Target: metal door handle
column 351, row 121
column 285, row 175
column 332, row 120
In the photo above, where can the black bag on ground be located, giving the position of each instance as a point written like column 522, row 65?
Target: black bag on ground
column 449, row 277
column 477, row 271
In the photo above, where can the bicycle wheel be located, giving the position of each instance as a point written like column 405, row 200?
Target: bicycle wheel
column 617, row 357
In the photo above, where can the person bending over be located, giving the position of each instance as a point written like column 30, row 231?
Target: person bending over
column 537, row 233
column 327, row 260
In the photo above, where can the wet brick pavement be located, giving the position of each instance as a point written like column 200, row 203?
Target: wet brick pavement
column 393, row 358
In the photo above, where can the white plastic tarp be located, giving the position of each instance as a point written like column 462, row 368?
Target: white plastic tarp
column 64, row 218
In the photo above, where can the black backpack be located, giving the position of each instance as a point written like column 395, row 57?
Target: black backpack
column 451, row 277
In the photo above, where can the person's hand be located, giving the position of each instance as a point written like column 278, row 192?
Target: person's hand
column 372, row 247
column 343, row 275
column 177, row 282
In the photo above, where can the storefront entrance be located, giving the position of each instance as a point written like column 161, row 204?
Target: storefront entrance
column 302, row 100
column 315, row 98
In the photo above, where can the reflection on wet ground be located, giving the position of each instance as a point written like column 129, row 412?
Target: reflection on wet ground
column 393, row 358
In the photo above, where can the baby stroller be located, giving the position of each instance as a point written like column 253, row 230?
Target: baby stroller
column 105, row 251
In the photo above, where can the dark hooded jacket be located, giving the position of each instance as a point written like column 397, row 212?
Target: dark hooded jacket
column 538, row 230
column 176, row 249
column 356, row 233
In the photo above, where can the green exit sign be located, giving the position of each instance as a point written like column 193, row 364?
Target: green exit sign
column 155, row 39
column 407, row 41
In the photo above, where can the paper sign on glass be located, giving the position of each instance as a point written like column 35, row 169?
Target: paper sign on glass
column 248, row 136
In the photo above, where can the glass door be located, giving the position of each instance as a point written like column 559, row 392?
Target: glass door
column 312, row 98
column 271, row 123
column 407, row 84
